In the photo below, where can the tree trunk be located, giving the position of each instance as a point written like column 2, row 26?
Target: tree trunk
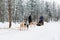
column 9, row 12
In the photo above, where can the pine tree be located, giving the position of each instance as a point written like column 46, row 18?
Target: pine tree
column 48, row 12
column 32, row 8
column 1, row 10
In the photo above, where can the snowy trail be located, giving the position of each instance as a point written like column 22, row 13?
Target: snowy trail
column 49, row 31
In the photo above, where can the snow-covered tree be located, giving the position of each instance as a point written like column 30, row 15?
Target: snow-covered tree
column 19, row 11
column 48, row 11
column 33, row 8
column 1, row 10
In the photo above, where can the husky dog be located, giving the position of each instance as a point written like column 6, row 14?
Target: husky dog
column 23, row 26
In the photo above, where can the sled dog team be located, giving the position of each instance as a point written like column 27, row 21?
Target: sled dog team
column 25, row 24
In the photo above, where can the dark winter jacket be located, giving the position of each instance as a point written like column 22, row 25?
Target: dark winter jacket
column 41, row 18
column 30, row 19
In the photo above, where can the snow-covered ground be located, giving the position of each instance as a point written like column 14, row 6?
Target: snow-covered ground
column 49, row 31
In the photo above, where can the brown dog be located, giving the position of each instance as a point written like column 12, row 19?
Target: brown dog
column 33, row 24
column 23, row 26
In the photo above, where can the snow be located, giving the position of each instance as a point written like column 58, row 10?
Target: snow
column 48, row 31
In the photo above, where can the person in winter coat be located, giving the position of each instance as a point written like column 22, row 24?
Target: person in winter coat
column 41, row 20
column 30, row 19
